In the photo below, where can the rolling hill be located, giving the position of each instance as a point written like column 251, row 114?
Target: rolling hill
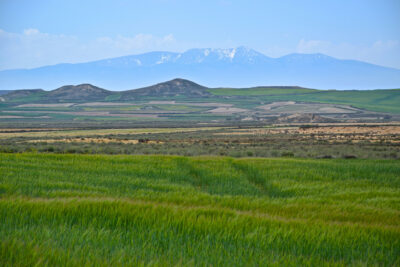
column 80, row 92
column 173, row 88
column 185, row 90
column 24, row 95
column 236, row 67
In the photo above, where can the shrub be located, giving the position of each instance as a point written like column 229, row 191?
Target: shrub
column 349, row 156
column 287, row 154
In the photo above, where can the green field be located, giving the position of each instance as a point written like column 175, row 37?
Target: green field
column 259, row 91
column 374, row 100
column 74, row 210
column 244, row 106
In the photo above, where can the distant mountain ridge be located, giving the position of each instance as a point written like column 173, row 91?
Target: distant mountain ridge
column 234, row 67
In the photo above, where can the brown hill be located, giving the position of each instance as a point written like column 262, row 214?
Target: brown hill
column 83, row 92
column 173, row 88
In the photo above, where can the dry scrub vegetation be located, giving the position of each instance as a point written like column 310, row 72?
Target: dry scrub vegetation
column 307, row 141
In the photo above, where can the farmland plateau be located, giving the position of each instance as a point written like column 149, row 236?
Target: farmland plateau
column 184, row 103
column 178, row 174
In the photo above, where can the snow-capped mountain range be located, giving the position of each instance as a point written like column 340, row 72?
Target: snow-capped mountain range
column 192, row 56
column 234, row 67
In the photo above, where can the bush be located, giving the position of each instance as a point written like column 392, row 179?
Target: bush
column 71, row 150
column 287, row 154
column 31, row 149
column 349, row 156
column 326, row 157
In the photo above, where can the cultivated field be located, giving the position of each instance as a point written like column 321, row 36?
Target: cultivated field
column 220, row 106
column 75, row 210
column 192, row 176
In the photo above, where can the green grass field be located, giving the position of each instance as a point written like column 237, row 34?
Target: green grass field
column 258, row 91
column 374, row 100
column 74, row 210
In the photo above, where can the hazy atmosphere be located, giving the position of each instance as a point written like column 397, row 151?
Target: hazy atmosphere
column 200, row 133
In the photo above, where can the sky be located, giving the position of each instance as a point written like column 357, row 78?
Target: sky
column 47, row 32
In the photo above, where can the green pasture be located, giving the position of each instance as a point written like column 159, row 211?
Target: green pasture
column 257, row 91
column 374, row 100
column 97, row 210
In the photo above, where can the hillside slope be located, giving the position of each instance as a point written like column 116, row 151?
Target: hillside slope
column 173, row 88
column 82, row 92
column 23, row 95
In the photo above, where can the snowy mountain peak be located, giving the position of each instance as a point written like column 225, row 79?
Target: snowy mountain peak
column 226, row 53
column 235, row 67
column 163, row 59
column 234, row 55
column 192, row 56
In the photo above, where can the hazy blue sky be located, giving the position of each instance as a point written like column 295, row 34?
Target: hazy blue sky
column 42, row 32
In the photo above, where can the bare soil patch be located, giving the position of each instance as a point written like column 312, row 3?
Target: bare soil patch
column 45, row 105
column 95, row 104
column 95, row 140
column 227, row 110
column 193, row 104
column 11, row 117
column 276, row 104
column 210, row 104
column 161, row 102
column 290, row 107
column 93, row 113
